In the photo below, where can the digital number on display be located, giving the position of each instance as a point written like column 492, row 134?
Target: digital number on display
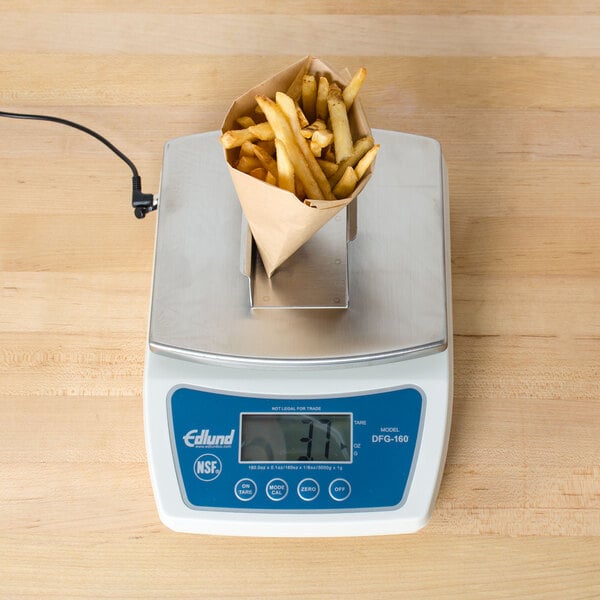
column 296, row 438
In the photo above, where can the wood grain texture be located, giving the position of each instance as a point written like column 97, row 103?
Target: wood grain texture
column 512, row 91
column 222, row 34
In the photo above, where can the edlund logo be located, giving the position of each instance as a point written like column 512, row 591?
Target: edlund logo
column 204, row 439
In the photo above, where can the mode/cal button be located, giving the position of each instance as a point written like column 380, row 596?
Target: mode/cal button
column 277, row 489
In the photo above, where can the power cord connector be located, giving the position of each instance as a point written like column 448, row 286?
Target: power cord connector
column 142, row 203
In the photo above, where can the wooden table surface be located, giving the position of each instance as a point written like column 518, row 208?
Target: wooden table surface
column 512, row 91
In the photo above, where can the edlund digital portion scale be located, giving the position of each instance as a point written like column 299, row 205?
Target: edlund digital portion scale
column 317, row 403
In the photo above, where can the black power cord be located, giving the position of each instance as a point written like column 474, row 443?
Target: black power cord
column 142, row 203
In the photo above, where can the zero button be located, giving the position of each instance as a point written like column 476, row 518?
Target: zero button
column 308, row 489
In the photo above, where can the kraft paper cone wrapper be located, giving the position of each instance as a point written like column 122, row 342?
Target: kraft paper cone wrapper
column 281, row 223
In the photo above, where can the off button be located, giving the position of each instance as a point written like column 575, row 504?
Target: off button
column 339, row 490
column 277, row 489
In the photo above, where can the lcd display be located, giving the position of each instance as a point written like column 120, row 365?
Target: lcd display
column 296, row 437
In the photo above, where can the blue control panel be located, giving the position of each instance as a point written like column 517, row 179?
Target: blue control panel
column 253, row 453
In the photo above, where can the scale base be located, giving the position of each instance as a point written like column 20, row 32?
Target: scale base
column 392, row 343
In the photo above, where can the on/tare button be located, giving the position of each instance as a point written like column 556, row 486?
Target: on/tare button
column 339, row 489
column 245, row 489
column 277, row 489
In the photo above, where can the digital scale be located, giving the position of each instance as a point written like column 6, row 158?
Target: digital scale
column 317, row 402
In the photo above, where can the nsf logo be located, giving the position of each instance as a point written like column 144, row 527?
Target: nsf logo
column 207, row 467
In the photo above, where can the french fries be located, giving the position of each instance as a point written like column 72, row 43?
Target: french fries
column 329, row 168
column 362, row 146
column 236, row 137
column 342, row 138
column 287, row 106
column 285, row 168
column 283, row 132
column 351, row 90
column 301, row 141
column 345, row 186
column 309, row 97
column 366, row 161
column 247, row 164
column 245, row 121
column 322, row 92
column 266, row 160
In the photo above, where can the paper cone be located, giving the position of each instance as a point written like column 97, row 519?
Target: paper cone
column 281, row 223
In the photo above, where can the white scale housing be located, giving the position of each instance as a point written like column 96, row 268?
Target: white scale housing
column 317, row 403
